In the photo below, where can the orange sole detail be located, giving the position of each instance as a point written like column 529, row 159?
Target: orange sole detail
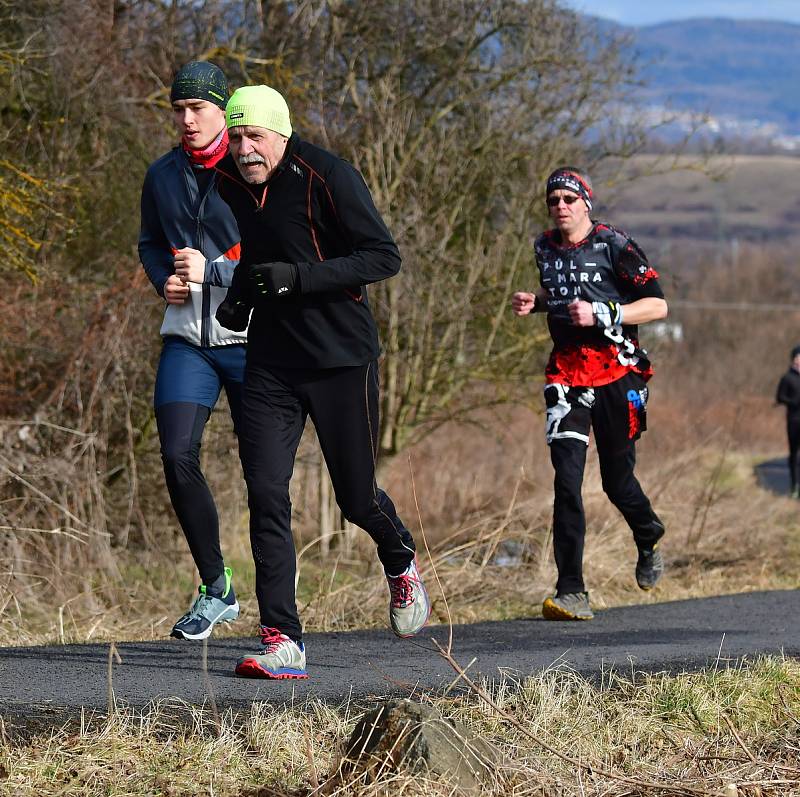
column 550, row 611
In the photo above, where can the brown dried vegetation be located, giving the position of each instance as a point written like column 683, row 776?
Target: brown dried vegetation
column 87, row 537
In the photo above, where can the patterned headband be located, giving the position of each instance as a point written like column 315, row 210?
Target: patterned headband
column 570, row 181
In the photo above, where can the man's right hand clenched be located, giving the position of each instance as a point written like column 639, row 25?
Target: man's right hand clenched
column 176, row 291
column 523, row 302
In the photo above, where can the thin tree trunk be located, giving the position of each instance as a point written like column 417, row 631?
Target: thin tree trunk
column 325, row 517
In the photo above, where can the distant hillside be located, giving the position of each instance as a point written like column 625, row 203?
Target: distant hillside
column 738, row 68
column 749, row 198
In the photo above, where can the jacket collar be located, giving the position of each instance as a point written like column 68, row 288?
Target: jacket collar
column 291, row 147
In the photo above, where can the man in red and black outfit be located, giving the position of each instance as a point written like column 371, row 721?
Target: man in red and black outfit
column 596, row 287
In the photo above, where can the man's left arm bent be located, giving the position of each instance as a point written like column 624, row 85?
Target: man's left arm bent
column 373, row 254
column 639, row 281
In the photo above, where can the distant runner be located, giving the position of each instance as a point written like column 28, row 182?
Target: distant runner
column 788, row 394
column 596, row 286
column 189, row 247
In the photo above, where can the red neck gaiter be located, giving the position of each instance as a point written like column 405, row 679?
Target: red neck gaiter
column 212, row 154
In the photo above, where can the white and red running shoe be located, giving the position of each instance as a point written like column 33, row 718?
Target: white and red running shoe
column 410, row 605
column 282, row 658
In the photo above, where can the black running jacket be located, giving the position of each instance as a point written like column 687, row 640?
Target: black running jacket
column 317, row 212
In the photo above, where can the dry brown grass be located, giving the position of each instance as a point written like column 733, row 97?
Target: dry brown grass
column 558, row 734
column 491, row 545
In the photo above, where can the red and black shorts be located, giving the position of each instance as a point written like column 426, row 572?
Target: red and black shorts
column 617, row 412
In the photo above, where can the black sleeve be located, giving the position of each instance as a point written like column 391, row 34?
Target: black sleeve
column 780, row 393
column 786, row 393
column 633, row 270
column 373, row 255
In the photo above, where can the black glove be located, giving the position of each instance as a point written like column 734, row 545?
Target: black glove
column 234, row 311
column 273, row 280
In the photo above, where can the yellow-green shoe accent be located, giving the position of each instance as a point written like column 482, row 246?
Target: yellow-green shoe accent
column 569, row 606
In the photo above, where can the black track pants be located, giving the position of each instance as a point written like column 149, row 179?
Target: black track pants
column 180, row 430
column 793, row 433
column 343, row 405
column 616, row 412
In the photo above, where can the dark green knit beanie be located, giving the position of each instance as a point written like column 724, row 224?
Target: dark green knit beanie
column 200, row 80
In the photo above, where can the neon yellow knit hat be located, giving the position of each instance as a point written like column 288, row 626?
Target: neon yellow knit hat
column 259, row 106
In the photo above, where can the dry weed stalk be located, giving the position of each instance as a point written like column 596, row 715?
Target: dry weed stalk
column 209, row 688
column 580, row 766
column 113, row 656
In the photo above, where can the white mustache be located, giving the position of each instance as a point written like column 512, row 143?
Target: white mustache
column 254, row 157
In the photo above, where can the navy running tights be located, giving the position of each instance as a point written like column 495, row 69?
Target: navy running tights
column 180, row 429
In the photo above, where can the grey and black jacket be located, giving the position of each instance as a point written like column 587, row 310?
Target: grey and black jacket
column 176, row 214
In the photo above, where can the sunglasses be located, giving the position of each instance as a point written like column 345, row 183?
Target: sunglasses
column 552, row 201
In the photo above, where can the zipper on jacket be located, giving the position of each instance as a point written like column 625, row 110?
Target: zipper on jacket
column 205, row 313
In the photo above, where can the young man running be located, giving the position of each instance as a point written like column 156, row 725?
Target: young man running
column 189, row 247
column 596, row 287
column 312, row 240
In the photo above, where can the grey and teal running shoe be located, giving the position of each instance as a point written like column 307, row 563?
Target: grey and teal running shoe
column 410, row 606
column 649, row 568
column 569, row 606
column 209, row 608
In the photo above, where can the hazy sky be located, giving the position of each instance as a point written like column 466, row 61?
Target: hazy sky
column 635, row 12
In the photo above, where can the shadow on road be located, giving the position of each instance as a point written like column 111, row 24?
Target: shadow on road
column 773, row 475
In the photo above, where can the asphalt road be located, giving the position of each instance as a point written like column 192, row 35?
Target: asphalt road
column 53, row 684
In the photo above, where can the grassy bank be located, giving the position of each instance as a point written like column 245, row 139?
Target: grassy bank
column 725, row 732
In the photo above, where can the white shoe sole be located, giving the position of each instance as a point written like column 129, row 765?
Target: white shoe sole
column 223, row 617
